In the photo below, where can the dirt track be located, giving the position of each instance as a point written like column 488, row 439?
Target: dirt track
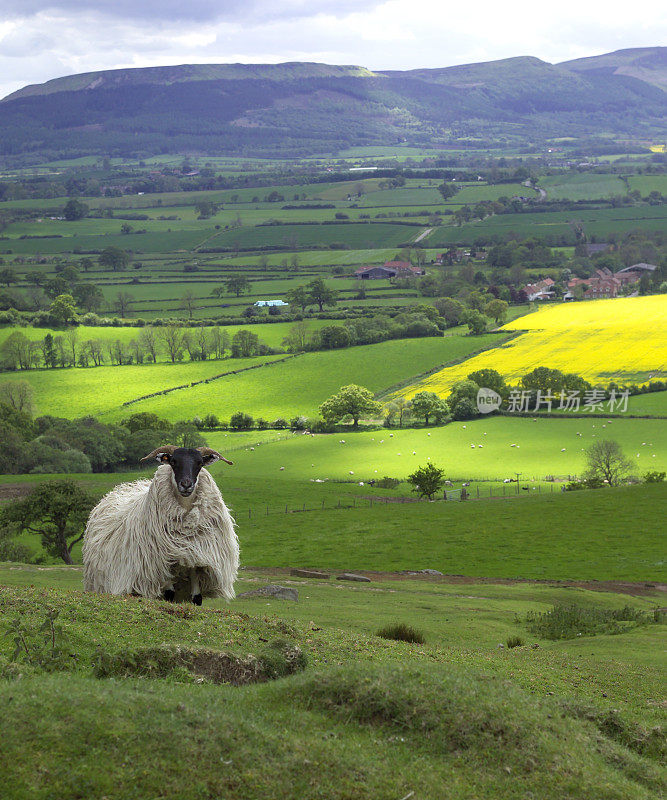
column 620, row 587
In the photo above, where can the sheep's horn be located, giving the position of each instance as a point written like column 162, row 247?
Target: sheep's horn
column 207, row 451
column 167, row 448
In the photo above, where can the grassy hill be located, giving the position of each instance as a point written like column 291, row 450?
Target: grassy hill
column 331, row 107
column 368, row 716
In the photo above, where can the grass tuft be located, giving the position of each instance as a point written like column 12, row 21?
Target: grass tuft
column 514, row 641
column 401, row 632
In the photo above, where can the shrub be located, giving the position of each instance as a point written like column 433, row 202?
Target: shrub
column 401, row 632
column 241, row 421
column 654, row 477
column 514, row 641
column 387, row 483
column 280, row 423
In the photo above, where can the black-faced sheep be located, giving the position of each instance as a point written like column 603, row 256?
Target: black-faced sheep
column 152, row 537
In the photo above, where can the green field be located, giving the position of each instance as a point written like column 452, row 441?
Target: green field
column 396, row 453
column 586, row 186
column 290, row 237
column 297, row 386
column 598, row 223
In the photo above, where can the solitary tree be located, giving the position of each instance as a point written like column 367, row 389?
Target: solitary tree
column 55, row 510
column 17, row 394
column 122, row 304
column 75, row 209
column 320, row 293
column 237, row 284
column 607, row 462
column 189, row 301
column 114, row 258
column 351, row 400
column 427, row 480
column 299, row 296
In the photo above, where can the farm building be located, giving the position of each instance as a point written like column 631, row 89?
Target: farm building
column 541, row 290
column 641, row 267
column 270, row 303
column 390, row 269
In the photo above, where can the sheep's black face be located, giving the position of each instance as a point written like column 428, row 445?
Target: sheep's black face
column 186, row 462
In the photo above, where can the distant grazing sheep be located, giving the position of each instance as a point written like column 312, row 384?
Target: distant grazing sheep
column 157, row 537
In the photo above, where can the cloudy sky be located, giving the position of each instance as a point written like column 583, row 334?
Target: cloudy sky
column 44, row 39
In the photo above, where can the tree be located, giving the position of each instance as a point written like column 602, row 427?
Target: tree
column 172, row 338
column 496, row 309
column 55, row 510
column 244, row 344
column 241, row 421
column 607, row 462
column 145, row 421
column 450, row 310
column 333, row 337
column 297, row 337
column 74, row 210
column 48, row 351
column 56, row 286
column 149, row 341
column 427, row 405
column 320, row 293
column 18, row 395
column 299, row 296
column 63, row 309
column 427, row 480
column 189, row 301
column 17, row 351
column 475, row 321
column 185, row 434
column 489, row 378
column 8, row 276
column 238, row 284
column 351, row 400
column 114, row 258
column 122, row 303
column 88, row 296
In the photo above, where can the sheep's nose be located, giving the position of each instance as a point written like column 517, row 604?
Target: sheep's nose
column 186, row 483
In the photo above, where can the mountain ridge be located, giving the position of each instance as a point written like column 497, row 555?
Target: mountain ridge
column 300, row 108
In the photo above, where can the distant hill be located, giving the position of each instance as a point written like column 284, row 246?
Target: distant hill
column 304, row 108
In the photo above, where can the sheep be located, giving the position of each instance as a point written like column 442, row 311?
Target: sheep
column 155, row 537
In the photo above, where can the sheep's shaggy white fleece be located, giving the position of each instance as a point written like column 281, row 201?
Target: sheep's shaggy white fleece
column 139, row 535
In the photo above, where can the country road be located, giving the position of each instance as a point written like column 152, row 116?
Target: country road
column 543, row 194
column 422, row 235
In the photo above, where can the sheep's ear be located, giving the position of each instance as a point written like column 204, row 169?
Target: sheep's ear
column 211, row 456
column 161, row 454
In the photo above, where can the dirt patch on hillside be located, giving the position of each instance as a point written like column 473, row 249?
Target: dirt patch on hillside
column 641, row 588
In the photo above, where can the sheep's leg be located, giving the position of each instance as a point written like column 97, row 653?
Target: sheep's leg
column 169, row 593
column 194, row 587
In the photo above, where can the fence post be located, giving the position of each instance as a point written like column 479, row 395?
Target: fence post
column 267, row 511
column 304, row 507
column 322, row 505
column 339, row 502
column 478, row 492
column 286, row 509
column 250, row 513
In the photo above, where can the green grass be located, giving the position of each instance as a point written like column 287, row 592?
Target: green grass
column 300, row 385
column 483, row 721
column 646, row 184
column 598, row 222
column 396, row 453
column 586, row 186
column 356, row 236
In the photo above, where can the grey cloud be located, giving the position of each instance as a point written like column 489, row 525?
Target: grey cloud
column 159, row 11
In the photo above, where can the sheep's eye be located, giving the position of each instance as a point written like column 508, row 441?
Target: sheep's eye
column 165, row 457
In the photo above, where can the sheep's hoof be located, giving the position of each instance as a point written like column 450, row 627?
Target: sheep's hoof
column 169, row 595
column 197, row 599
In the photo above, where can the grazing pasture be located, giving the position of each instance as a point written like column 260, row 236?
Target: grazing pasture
column 586, row 186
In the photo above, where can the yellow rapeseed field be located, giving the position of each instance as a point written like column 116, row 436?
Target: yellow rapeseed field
column 622, row 340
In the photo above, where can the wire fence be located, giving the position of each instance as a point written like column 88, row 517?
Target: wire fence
column 448, row 495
